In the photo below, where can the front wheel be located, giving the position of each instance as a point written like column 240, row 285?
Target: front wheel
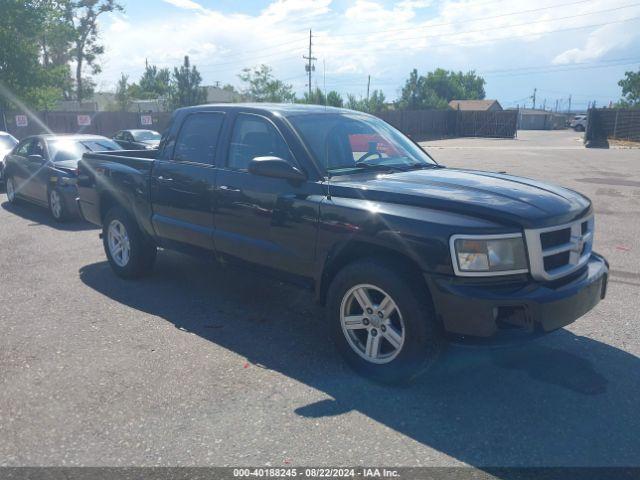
column 383, row 326
column 130, row 252
column 10, row 185
column 57, row 206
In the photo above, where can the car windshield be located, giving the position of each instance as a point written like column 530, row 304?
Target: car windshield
column 7, row 142
column 61, row 150
column 145, row 135
column 346, row 143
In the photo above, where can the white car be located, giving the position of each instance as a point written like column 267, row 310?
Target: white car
column 579, row 123
column 7, row 142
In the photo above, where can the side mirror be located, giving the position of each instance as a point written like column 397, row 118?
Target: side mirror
column 275, row 167
column 36, row 158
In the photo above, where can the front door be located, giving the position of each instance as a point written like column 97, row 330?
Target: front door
column 263, row 220
column 183, row 186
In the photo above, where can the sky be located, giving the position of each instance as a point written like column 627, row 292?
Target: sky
column 558, row 47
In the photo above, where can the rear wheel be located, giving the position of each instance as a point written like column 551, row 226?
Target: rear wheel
column 383, row 326
column 57, row 206
column 130, row 252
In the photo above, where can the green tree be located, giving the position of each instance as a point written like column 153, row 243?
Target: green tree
column 155, row 83
column 261, row 86
column 24, row 79
column 334, row 99
column 374, row 104
column 85, row 43
column 438, row 88
column 185, row 86
column 630, row 89
column 123, row 93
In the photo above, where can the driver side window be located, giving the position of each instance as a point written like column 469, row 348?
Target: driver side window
column 23, row 148
column 253, row 137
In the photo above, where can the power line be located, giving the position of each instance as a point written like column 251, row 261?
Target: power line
column 467, row 21
column 450, row 34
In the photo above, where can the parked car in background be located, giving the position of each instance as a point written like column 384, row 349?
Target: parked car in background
column 401, row 250
column 7, row 142
column 579, row 123
column 42, row 169
column 137, row 139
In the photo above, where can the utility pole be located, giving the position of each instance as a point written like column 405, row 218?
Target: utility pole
column 569, row 109
column 368, row 85
column 310, row 67
column 556, row 105
column 544, row 105
column 533, row 97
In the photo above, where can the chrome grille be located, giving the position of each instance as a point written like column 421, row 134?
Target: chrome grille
column 560, row 250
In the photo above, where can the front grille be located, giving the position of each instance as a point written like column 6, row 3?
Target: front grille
column 555, row 238
column 561, row 250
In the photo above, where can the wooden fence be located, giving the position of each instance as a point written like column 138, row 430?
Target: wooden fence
column 21, row 125
column 424, row 124
column 618, row 123
column 420, row 124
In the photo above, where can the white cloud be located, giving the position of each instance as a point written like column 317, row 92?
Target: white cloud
column 186, row 4
column 360, row 37
column 599, row 43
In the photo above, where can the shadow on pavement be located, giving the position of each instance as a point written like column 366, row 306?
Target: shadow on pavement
column 40, row 216
column 564, row 400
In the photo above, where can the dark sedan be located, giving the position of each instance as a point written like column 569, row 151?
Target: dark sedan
column 7, row 142
column 137, row 139
column 42, row 169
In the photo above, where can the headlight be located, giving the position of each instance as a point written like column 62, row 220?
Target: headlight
column 489, row 255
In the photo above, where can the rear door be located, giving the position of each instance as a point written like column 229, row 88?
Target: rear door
column 182, row 187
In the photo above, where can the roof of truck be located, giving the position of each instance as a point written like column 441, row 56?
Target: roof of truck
column 283, row 109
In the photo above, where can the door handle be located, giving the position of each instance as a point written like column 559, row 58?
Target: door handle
column 162, row 179
column 227, row 188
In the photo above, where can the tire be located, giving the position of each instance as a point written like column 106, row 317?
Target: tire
column 138, row 253
column 579, row 128
column 10, row 188
column 57, row 207
column 409, row 340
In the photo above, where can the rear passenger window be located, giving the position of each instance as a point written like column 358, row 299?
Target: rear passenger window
column 255, row 137
column 198, row 138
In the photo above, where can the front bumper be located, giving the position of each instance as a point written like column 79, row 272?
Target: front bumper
column 521, row 306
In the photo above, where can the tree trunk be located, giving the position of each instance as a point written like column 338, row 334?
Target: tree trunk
column 79, row 93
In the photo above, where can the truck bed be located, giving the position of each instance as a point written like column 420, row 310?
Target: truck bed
column 123, row 175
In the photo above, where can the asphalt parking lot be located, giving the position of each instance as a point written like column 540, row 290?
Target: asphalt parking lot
column 200, row 365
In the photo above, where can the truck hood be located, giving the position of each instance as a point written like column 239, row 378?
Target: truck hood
column 492, row 196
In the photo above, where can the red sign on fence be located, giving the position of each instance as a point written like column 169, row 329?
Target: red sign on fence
column 22, row 121
column 146, row 120
column 84, row 120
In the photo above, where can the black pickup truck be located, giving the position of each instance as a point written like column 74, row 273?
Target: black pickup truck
column 403, row 252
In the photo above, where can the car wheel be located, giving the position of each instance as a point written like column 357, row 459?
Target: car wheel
column 10, row 186
column 383, row 326
column 579, row 128
column 130, row 252
column 56, row 205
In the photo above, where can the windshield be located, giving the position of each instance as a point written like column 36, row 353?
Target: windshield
column 345, row 143
column 61, row 150
column 7, row 142
column 146, row 135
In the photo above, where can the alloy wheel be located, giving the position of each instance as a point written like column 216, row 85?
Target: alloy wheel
column 372, row 323
column 11, row 190
column 56, row 204
column 119, row 245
